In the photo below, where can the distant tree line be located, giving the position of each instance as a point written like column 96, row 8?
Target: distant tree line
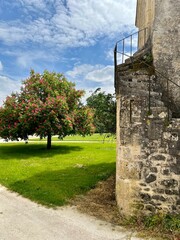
column 104, row 106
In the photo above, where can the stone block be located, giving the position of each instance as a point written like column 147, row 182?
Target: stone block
column 127, row 196
column 150, row 178
column 129, row 170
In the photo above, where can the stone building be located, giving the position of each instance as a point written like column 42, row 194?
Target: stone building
column 147, row 88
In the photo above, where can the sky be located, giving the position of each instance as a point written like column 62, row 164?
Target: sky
column 73, row 37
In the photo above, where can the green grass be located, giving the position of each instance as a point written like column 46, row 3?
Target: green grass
column 52, row 177
column 161, row 226
column 95, row 137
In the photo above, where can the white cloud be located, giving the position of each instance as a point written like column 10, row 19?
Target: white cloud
column 1, row 66
column 33, row 4
column 104, row 88
column 7, row 87
column 128, row 52
column 27, row 59
column 102, row 75
column 79, row 23
column 94, row 73
column 82, row 70
column 89, row 78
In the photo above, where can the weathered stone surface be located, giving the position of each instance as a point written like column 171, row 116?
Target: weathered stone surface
column 166, row 172
column 170, row 183
column 165, row 47
column 161, row 191
column 128, row 190
column 175, row 168
column 148, row 154
column 145, row 196
column 148, row 144
column 159, row 198
column 150, row 208
column 144, row 19
column 150, row 178
column 171, row 192
column 153, row 169
column 158, row 157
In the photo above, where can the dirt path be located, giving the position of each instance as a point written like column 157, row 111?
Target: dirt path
column 21, row 219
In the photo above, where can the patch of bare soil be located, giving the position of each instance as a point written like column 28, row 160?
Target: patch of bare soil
column 100, row 202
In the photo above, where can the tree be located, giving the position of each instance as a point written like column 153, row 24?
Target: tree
column 104, row 106
column 47, row 104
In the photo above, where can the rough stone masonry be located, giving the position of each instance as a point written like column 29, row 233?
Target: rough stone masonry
column 148, row 134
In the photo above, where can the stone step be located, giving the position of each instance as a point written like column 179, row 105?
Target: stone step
column 159, row 112
column 139, row 85
column 136, row 77
column 141, row 92
column 156, row 103
column 175, row 123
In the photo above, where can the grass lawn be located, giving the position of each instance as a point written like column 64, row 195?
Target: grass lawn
column 52, row 177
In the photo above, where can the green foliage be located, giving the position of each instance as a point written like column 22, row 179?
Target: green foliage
column 148, row 58
column 47, row 105
column 152, row 221
column 53, row 177
column 166, row 226
column 171, row 222
column 104, row 106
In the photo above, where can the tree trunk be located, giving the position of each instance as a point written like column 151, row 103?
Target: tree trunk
column 49, row 141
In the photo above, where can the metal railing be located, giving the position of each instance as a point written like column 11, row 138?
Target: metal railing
column 167, row 90
column 127, row 51
column 129, row 45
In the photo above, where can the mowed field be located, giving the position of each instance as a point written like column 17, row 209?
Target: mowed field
column 53, row 177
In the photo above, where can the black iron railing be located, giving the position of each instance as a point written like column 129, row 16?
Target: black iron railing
column 126, row 48
column 167, row 90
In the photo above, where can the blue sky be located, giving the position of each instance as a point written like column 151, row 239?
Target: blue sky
column 74, row 37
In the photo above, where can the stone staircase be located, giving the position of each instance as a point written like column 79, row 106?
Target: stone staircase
column 148, row 159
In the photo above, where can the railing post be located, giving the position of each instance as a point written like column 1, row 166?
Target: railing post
column 115, row 64
column 123, row 52
column 131, row 46
column 168, row 100
column 144, row 36
column 149, row 103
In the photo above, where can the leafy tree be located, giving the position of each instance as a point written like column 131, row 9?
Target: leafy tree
column 47, row 105
column 104, row 106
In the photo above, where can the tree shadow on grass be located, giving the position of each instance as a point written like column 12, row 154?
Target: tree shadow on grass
column 21, row 152
column 55, row 188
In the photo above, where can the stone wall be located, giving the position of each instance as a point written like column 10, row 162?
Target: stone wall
column 148, row 135
column 161, row 18
column 166, row 47
column 144, row 19
column 148, row 147
column 160, row 176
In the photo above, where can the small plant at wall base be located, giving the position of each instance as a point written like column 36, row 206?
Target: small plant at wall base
column 166, row 226
column 47, row 105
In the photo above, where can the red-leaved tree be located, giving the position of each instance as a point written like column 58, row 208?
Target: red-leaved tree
column 47, row 105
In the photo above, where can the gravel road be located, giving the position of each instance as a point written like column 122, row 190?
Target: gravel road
column 21, row 219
